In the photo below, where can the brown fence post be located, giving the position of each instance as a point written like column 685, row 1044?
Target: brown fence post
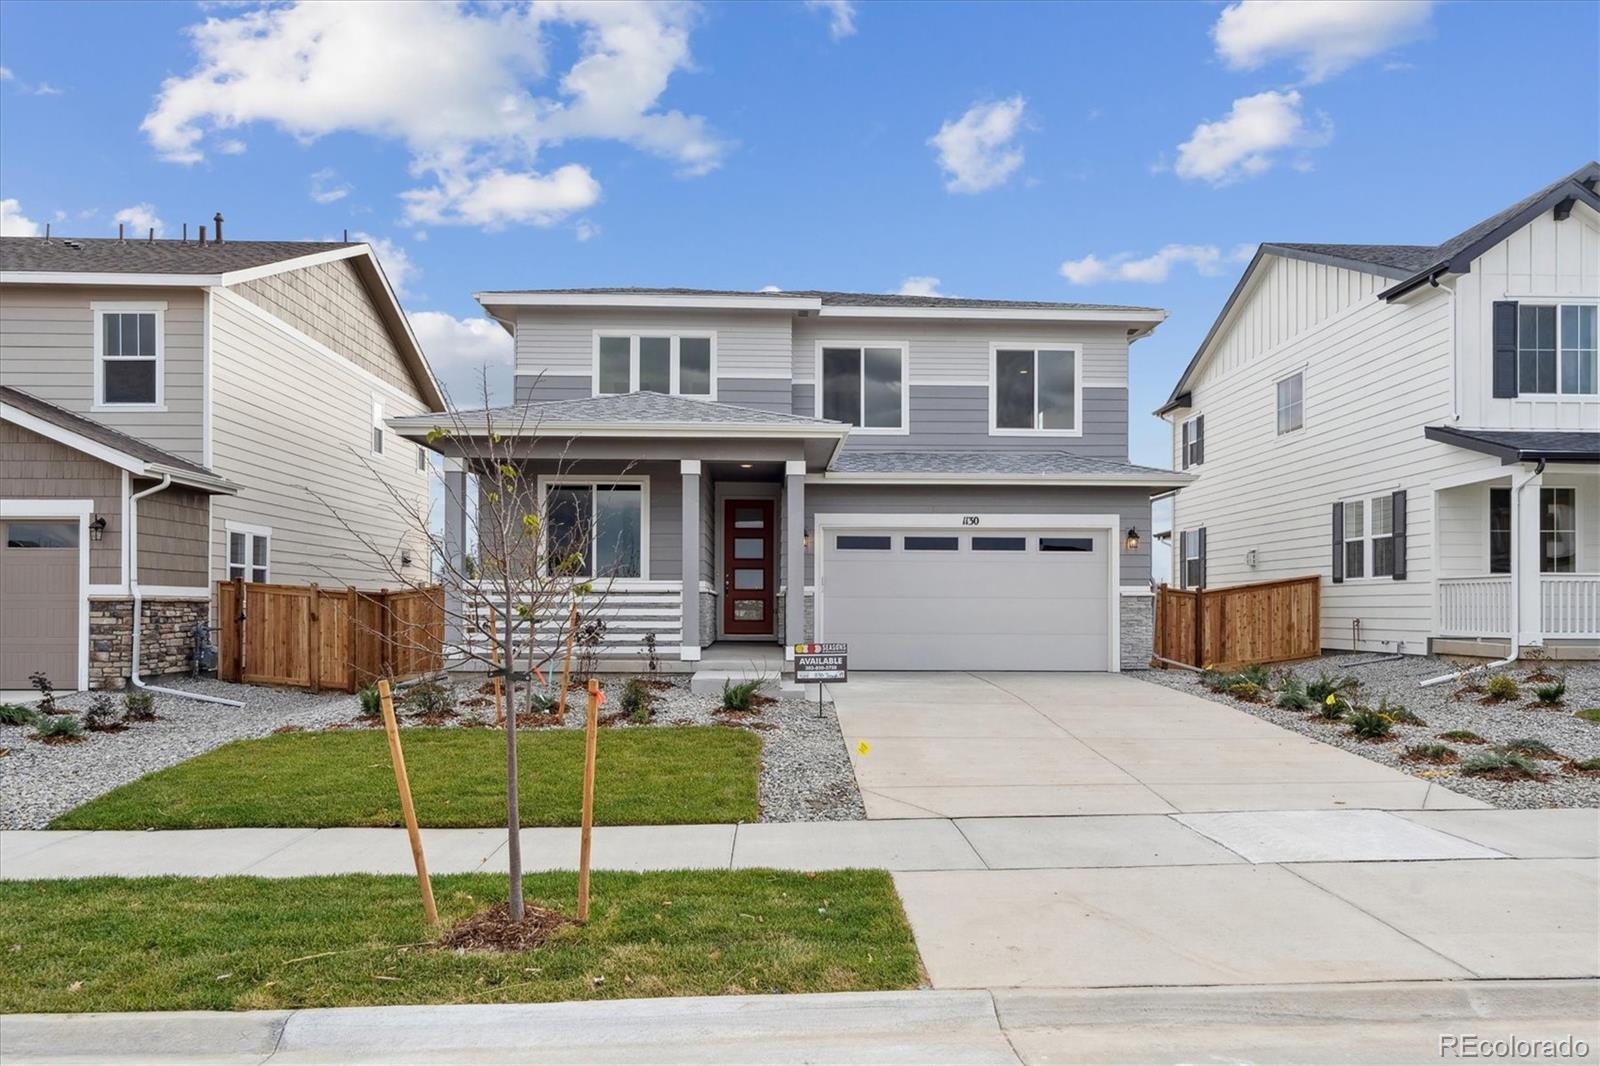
column 314, row 640
column 353, row 671
column 1200, row 628
column 385, row 634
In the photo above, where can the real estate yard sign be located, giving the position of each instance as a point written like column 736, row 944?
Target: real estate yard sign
column 818, row 663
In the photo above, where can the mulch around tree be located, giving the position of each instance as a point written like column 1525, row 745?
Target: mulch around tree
column 492, row 930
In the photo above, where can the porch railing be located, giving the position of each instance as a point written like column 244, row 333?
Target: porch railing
column 1570, row 605
column 1475, row 606
column 625, row 617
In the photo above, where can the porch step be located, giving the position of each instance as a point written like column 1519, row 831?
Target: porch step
column 709, row 682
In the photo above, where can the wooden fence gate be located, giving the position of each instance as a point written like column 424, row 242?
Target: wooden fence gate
column 306, row 636
column 1267, row 622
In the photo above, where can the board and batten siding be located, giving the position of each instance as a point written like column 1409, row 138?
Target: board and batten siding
column 47, row 350
column 1464, row 522
column 37, row 468
column 1545, row 261
column 293, row 428
column 560, row 343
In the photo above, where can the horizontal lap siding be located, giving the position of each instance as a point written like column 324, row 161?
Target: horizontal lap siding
column 948, row 351
column 292, row 425
column 47, row 342
column 539, row 388
column 749, row 343
column 765, row 394
column 35, row 468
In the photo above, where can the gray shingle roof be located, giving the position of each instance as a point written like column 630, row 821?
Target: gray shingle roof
column 96, row 255
column 1403, row 258
column 1513, row 446
column 992, row 464
column 101, row 433
column 633, row 408
column 845, row 299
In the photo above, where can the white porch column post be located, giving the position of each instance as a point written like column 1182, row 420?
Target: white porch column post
column 1525, row 545
column 455, row 548
column 794, row 543
column 691, row 560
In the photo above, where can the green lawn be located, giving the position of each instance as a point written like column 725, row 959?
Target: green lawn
column 241, row 943
column 658, row 776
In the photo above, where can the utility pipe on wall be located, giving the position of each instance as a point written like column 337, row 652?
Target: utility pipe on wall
column 138, row 600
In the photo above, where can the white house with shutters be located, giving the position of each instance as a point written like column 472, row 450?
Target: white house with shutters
column 1420, row 424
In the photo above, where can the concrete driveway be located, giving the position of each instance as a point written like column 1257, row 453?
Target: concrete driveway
column 963, row 745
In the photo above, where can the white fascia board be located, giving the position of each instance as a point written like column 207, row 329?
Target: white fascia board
column 762, row 302
column 78, row 277
column 1131, row 481
column 1152, row 316
column 193, row 480
column 411, row 428
column 299, row 262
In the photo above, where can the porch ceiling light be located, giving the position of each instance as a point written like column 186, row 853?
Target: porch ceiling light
column 1132, row 541
column 746, row 466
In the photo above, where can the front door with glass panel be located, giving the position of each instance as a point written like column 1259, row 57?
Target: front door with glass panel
column 747, row 567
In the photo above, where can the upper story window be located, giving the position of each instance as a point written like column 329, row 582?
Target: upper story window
column 1556, row 349
column 128, row 352
column 864, row 385
column 1192, row 442
column 1035, row 390
column 377, row 426
column 1291, row 403
column 677, row 364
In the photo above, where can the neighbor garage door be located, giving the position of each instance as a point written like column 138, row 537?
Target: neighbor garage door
column 946, row 599
column 40, row 598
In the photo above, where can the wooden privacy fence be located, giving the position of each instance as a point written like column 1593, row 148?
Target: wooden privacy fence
column 1267, row 622
column 306, row 636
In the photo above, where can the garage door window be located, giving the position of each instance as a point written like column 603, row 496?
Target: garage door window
column 861, row 544
column 999, row 544
column 932, row 544
column 1066, row 544
column 42, row 535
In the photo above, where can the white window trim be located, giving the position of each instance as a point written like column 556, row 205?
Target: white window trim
column 377, row 431
column 1577, row 530
column 1036, row 347
column 101, row 308
column 1185, row 538
column 1558, row 394
column 904, row 347
column 82, row 511
column 264, row 532
column 1184, row 462
column 633, row 359
column 1277, row 404
column 545, row 482
column 1367, row 537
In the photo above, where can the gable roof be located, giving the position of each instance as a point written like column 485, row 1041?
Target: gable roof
column 634, row 411
column 991, row 466
column 1411, row 264
column 100, row 440
column 183, row 263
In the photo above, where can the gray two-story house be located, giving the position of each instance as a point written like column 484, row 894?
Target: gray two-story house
column 938, row 483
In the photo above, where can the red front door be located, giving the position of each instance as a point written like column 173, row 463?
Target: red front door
column 747, row 567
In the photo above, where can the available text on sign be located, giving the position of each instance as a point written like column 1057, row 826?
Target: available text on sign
column 821, row 663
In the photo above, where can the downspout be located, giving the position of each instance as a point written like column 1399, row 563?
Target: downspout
column 138, row 600
column 1516, row 597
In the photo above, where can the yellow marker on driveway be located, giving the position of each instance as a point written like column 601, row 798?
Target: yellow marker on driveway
column 863, row 747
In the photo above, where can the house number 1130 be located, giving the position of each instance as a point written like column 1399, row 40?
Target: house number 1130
column 969, row 520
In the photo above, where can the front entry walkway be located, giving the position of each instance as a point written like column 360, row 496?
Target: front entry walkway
column 962, row 745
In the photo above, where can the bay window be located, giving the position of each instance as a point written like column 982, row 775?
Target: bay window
column 675, row 364
column 595, row 529
column 1035, row 390
column 864, row 386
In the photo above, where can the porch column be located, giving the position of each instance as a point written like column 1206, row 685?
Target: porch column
column 794, row 543
column 455, row 548
column 691, row 560
column 1525, row 546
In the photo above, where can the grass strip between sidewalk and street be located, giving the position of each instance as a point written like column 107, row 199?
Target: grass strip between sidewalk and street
column 660, row 776
column 242, row 943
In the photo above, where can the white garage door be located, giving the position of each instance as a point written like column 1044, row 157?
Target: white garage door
column 39, row 604
column 946, row 599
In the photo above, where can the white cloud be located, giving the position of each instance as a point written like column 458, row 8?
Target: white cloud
column 1248, row 141
column 1324, row 37
column 140, row 220
column 921, row 285
column 6, row 74
column 461, row 351
column 13, row 223
column 586, row 230
column 977, row 150
column 326, row 188
column 475, row 130
column 231, row 146
column 841, row 16
column 1206, row 259
column 44, row 88
column 396, row 263
column 770, row 288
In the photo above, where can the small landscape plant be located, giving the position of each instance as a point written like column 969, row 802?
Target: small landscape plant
column 1501, row 687
column 1500, row 761
column 740, row 697
column 1369, row 724
column 1215, row 680
column 1531, row 747
column 1396, row 713
column 1588, row 766
column 1589, row 714
column 1333, row 707
column 101, row 715
column 16, row 714
column 636, row 700
column 1248, row 691
column 1293, row 697
column 1257, row 675
column 60, row 728
column 543, row 698
column 430, row 698
column 138, row 706
column 1431, row 751
column 371, row 701
column 47, row 692
column 1462, row 736
column 1325, row 685
column 1551, row 695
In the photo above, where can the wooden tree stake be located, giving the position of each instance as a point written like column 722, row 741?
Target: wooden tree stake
column 390, row 726
column 566, row 667
column 591, row 729
column 494, row 657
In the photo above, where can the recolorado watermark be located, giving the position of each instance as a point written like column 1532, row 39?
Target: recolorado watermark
column 1472, row 1046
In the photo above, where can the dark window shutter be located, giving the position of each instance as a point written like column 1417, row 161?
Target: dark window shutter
column 1200, row 439
column 1505, row 348
column 1200, row 550
column 1399, row 498
column 1338, row 543
column 1183, row 445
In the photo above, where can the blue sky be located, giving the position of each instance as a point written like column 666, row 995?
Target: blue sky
column 995, row 147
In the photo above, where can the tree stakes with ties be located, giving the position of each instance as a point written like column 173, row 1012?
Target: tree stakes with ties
column 591, row 730
column 403, row 783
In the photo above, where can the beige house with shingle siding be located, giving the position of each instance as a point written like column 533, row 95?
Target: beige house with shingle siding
column 201, row 411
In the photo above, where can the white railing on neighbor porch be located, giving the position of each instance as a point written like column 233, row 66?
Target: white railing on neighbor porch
column 631, row 611
column 1570, row 605
column 1475, row 606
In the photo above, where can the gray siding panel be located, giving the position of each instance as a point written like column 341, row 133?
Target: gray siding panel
column 768, row 394
column 1131, row 505
column 37, row 468
column 537, row 388
column 561, row 340
column 174, row 527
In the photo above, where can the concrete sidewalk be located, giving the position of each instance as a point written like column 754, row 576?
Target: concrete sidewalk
column 901, row 845
column 1357, row 1023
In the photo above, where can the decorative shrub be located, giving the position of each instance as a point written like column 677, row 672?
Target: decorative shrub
column 636, row 700
column 1215, row 680
column 102, row 712
column 1588, row 766
column 1501, row 761
column 1369, row 724
column 1431, row 752
column 1462, row 736
column 59, row 728
column 1325, row 685
column 1396, row 713
column 1550, row 695
column 16, row 714
column 430, row 698
column 1502, row 687
column 1257, row 675
column 47, row 692
column 1590, row 714
column 1332, row 707
column 1531, row 747
column 1248, row 691
column 544, row 698
column 1293, row 697
column 371, row 702
column 740, row 697
column 138, row 706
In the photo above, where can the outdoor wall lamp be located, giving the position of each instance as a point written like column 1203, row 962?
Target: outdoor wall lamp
column 1132, row 542
column 806, row 540
column 97, row 528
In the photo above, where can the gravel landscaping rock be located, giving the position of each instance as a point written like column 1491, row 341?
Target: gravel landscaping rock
column 805, row 772
column 1445, row 708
